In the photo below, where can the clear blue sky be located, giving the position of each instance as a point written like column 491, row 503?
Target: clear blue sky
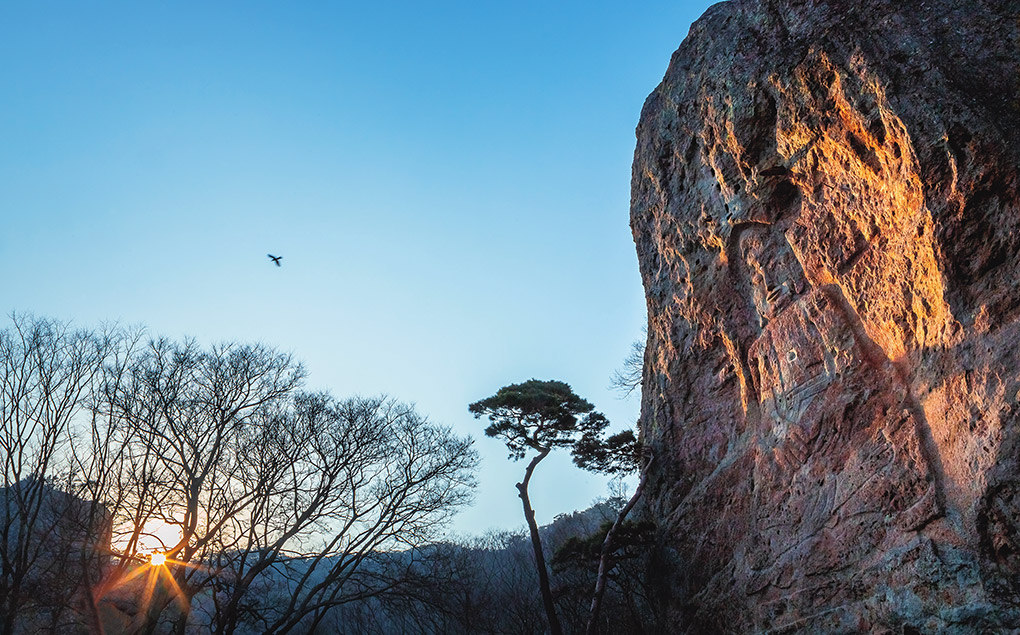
column 448, row 183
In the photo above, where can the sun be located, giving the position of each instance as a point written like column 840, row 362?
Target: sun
column 157, row 559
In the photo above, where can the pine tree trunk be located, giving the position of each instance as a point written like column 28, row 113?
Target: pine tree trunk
column 536, row 544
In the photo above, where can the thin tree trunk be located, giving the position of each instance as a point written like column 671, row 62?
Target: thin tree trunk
column 10, row 611
column 536, row 544
column 91, row 602
column 607, row 552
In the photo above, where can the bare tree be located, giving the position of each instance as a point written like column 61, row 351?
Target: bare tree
column 46, row 371
column 286, row 505
column 627, row 378
column 267, row 486
column 181, row 410
column 483, row 585
column 362, row 476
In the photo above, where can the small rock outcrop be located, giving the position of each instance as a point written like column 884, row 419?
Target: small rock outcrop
column 825, row 208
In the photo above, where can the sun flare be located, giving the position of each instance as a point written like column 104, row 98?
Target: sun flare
column 157, row 559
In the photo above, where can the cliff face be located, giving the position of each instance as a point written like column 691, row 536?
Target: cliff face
column 825, row 208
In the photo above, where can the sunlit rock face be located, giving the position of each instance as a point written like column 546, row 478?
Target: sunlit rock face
column 826, row 216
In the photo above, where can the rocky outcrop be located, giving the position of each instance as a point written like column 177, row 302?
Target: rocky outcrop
column 826, row 215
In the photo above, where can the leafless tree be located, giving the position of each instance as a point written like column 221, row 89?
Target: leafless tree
column 484, row 584
column 287, row 504
column 362, row 476
column 627, row 378
column 47, row 369
column 178, row 412
column 268, row 486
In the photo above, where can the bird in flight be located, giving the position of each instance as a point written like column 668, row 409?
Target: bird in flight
column 275, row 259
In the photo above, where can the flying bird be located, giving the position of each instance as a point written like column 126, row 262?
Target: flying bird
column 275, row 259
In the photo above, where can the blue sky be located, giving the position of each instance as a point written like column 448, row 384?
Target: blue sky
column 447, row 182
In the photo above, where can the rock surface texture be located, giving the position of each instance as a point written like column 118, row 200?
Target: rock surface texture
column 825, row 207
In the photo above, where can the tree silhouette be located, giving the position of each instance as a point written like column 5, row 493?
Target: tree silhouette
column 47, row 370
column 539, row 416
column 287, row 505
column 267, row 482
column 617, row 454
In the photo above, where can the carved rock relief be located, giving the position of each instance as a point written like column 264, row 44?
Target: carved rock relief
column 838, row 449
column 888, row 128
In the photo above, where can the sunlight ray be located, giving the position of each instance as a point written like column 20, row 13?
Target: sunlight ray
column 178, row 593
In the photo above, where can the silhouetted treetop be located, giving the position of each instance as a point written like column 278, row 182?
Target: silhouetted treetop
column 538, row 415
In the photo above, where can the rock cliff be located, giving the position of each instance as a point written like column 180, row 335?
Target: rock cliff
column 825, row 208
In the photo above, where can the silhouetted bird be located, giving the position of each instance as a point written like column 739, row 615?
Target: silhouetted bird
column 275, row 259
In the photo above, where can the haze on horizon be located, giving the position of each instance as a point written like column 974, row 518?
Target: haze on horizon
column 448, row 186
